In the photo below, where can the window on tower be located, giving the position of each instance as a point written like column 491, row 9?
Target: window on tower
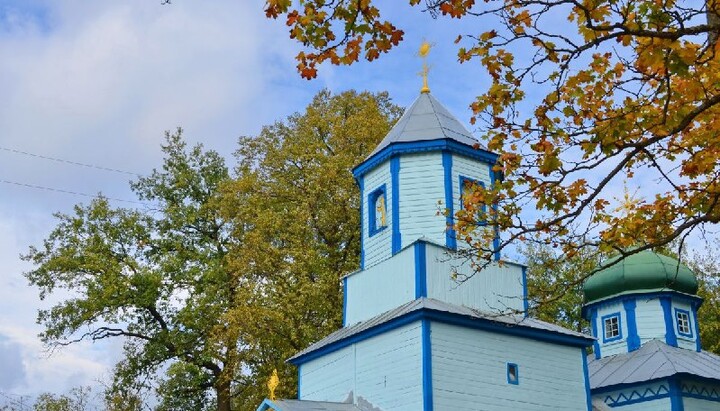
column 513, row 376
column 682, row 318
column 468, row 187
column 611, row 327
column 377, row 210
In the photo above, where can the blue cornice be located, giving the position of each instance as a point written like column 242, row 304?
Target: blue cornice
column 446, row 318
column 423, row 146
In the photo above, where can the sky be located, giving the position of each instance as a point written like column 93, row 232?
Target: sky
column 99, row 82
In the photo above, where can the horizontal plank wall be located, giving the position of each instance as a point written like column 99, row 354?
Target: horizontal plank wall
column 384, row 371
column 469, row 372
column 649, row 316
column 496, row 289
column 381, row 287
column 696, row 404
column 422, row 196
column 378, row 247
column 618, row 346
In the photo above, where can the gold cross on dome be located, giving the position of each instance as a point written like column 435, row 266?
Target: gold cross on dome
column 423, row 53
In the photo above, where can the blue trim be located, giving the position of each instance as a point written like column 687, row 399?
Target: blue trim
column 426, row 366
column 698, row 346
column 446, row 318
column 604, row 318
column 420, row 270
column 345, row 299
column 513, row 367
column 593, row 324
column 633, row 339
column 496, row 239
column 689, row 334
column 689, row 299
column 586, row 373
column 670, row 337
column 267, row 405
column 526, row 302
column 676, row 401
column 372, row 198
column 361, row 184
column 444, row 144
column 395, row 207
column 299, row 369
column 636, row 397
column 450, row 235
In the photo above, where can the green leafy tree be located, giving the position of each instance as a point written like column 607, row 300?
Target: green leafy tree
column 156, row 278
column 623, row 90
column 297, row 206
column 706, row 266
column 78, row 399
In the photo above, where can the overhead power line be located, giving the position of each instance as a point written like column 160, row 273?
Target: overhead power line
column 58, row 190
column 74, row 163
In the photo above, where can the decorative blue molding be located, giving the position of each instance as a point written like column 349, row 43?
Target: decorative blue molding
column 423, row 146
column 450, row 236
column 680, row 297
column 361, row 184
column 670, row 338
column 676, row 401
column 593, row 325
column 633, row 339
column 701, row 392
column 513, row 368
column 447, row 318
column 496, row 239
column 698, row 346
column 604, row 318
column 420, row 270
column 371, row 198
column 526, row 302
column 345, row 299
column 395, row 183
column 426, row 366
column 649, row 394
column 588, row 394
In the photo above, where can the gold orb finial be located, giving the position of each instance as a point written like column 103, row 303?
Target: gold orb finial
column 273, row 383
column 423, row 53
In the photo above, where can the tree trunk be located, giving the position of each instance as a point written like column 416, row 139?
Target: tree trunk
column 222, row 392
column 713, row 19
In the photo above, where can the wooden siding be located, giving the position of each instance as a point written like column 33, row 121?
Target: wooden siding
column 495, row 289
column 384, row 371
column 469, row 372
column 650, row 319
column 422, row 196
column 613, row 347
column 381, row 287
column 697, row 404
column 378, row 247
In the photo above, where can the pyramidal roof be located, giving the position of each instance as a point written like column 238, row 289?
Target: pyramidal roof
column 426, row 119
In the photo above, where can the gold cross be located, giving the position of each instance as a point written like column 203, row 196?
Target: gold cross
column 423, row 53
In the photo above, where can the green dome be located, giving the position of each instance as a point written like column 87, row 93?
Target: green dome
column 645, row 271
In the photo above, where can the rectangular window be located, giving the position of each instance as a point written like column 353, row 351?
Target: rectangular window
column 513, row 376
column 682, row 318
column 611, row 327
column 467, row 188
column 377, row 210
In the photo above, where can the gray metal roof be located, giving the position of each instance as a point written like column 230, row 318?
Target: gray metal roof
column 301, row 405
column 436, row 305
column 653, row 360
column 426, row 119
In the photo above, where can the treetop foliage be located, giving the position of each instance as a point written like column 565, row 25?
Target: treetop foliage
column 585, row 95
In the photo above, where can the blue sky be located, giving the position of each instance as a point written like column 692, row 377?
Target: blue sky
column 99, row 82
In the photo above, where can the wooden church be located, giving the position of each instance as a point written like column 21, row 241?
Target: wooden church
column 413, row 339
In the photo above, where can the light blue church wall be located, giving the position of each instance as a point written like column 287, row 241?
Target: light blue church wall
column 612, row 346
column 422, row 196
column 696, row 404
column 377, row 247
column 470, row 372
column 700, row 396
column 386, row 368
column 498, row 288
column 381, row 287
column 650, row 324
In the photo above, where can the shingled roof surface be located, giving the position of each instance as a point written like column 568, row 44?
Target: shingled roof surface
column 426, row 119
column 436, row 305
column 653, row 360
